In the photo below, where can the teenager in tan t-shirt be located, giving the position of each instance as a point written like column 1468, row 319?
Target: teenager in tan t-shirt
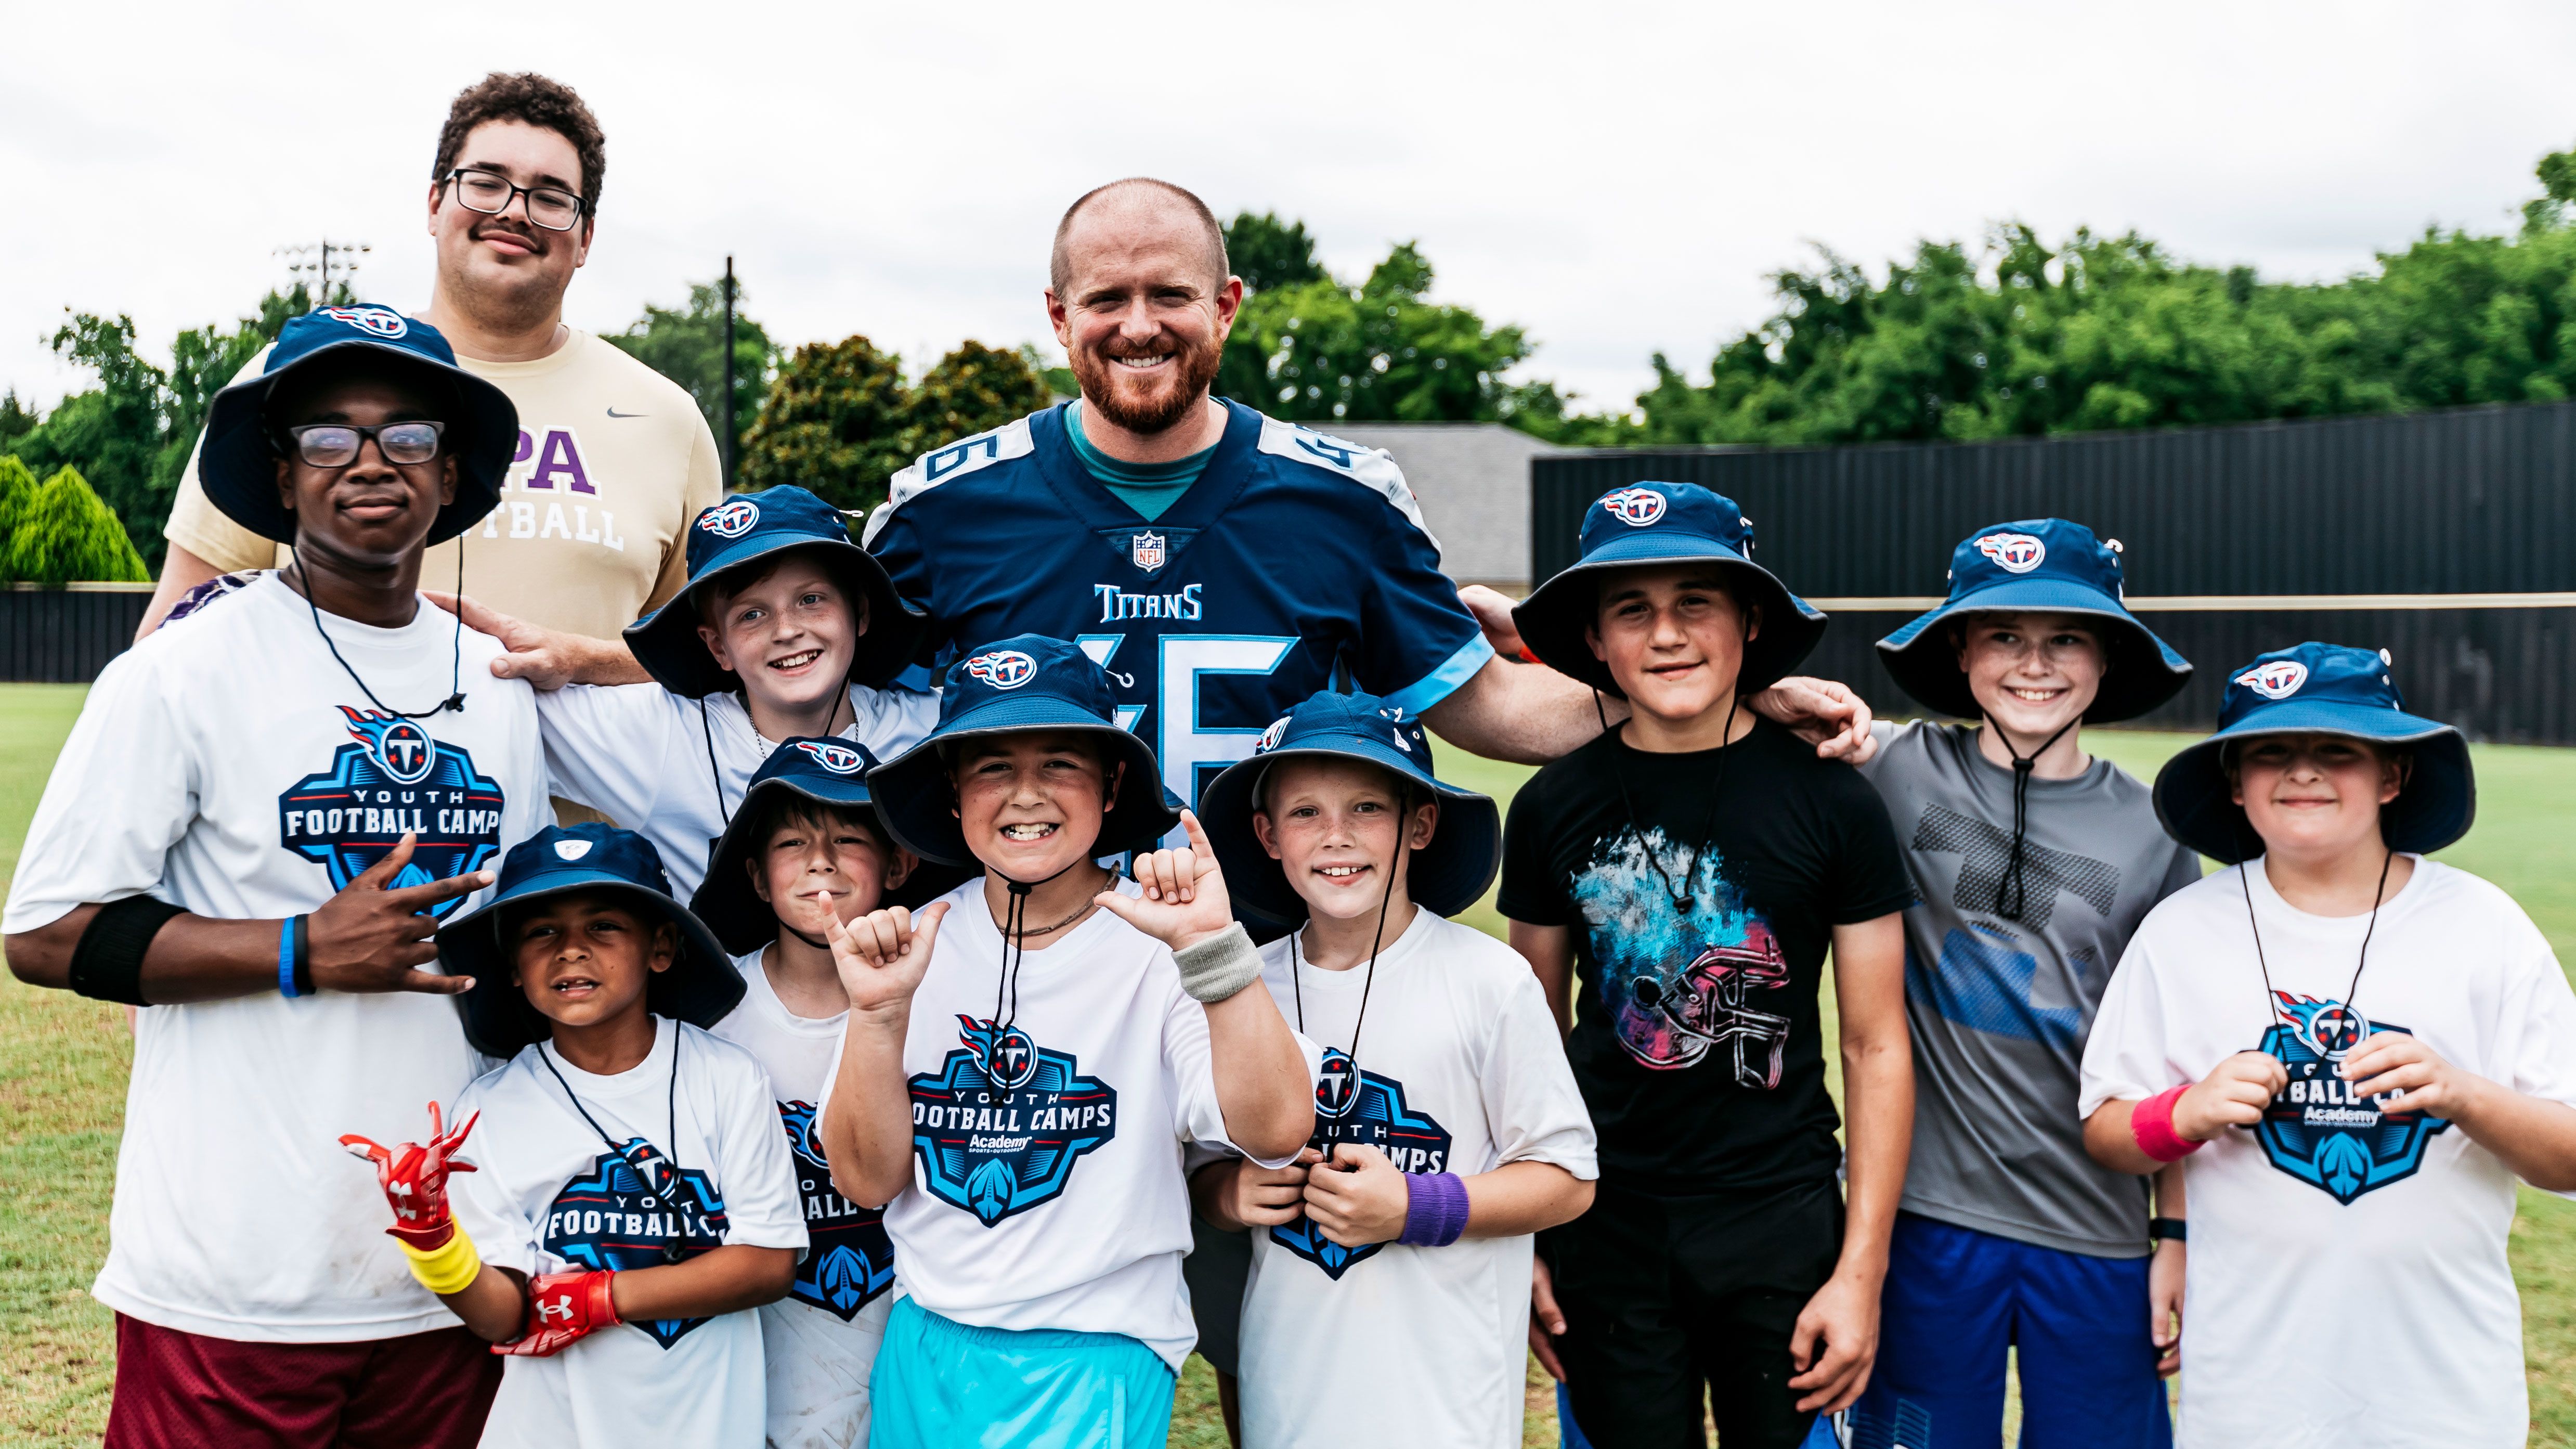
column 613, row 460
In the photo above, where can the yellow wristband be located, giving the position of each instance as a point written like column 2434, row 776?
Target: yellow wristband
column 445, row 1270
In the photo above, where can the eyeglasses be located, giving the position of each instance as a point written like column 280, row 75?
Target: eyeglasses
column 335, row 445
column 491, row 194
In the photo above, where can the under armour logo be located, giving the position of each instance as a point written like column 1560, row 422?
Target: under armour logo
column 1985, row 853
column 554, row 1308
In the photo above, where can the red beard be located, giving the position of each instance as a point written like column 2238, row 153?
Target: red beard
column 1120, row 401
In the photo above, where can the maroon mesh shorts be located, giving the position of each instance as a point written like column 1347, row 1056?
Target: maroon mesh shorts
column 420, row 1391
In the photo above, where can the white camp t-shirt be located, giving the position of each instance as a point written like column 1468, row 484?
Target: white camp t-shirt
column 549, row 1196
column 821, row 1339
column 1084, row 1215
column 638, row 754
column 2343, row 1292
column 1461, row 1070
column 226, row 765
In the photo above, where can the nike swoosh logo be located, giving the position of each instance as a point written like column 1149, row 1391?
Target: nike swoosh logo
column 614, row 413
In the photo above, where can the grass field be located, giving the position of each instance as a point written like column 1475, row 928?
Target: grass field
column 63, row 1064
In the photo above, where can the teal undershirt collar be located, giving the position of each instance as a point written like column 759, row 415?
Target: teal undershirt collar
column 1149, row 488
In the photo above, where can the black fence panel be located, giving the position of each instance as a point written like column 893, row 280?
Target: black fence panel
column 65, row 636
column 2498, row 674
column 2471, row 500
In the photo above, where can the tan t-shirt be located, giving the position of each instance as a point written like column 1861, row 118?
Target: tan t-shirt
column 614, row 460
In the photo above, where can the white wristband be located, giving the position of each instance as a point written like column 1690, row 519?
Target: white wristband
column 1219, row 966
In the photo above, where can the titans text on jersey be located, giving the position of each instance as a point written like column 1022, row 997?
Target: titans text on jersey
column 1296, row 562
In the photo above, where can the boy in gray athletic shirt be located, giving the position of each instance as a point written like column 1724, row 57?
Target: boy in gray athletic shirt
column 2032, row 864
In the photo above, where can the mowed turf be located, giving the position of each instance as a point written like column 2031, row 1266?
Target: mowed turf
column 63, row 1065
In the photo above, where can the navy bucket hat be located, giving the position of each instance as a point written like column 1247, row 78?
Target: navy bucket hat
column 830, row 772
column 699, row 988
column 2319, row 689
column 1445, row 876
column 1659, row 523
column 752, row 528
column 2042, row 565
column 1025, row 684
column 238, row 462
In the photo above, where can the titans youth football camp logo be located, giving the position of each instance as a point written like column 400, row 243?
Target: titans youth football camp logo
column 2014, row 553
column 839, row 759
column 849, row 1260
column 999, row 1128
column 394, row 777
column 1002, row 668
column 1368, row 1110
column 730, row 519
column 632, row 1211
column 2316, row 1129
column 2277, row 680
column 1635, row 507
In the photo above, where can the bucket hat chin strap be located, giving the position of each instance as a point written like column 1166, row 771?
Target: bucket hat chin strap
column 2011, row 894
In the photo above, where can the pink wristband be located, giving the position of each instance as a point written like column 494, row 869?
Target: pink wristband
column 2152, row 1124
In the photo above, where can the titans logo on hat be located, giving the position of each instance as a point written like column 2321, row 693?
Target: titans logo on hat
column 2278, row 679
column 730, row 519
column 381, row 321
column 1369, row 1110
column 849, row 1260
column 839, row 759
column 994, row 1148
column 1003, row 668
column 2014, row 553
column 1271, row 737
column 394, row 778
column 1145, row 550
column 2316, row 1129
column 629, row 1211
column 1635, row 507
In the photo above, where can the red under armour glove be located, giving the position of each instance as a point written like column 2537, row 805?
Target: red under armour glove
column 414, row 1178
column 563, row 1307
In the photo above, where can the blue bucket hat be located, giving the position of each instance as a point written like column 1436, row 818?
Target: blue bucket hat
column 2319, row 689
column 2045, row 565
column 238, row 462
column 1655, row 523
column 699, row 988
column 1025, row 684
column 748, row 528
column 1445, row 876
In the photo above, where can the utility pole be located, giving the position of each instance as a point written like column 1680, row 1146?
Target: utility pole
column 726, row 441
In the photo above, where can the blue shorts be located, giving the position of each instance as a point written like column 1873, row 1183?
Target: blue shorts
column 1957, row 1298
column 940, row 1384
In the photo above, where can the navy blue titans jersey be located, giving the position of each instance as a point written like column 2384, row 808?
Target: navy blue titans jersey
column 1296, row 562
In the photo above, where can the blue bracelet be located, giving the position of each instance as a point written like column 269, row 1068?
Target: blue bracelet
column 286, row 957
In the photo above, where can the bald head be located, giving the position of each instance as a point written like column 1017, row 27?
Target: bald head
column 1120, row 211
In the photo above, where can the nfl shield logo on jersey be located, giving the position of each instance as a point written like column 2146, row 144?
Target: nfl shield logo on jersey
column 1146, row 550
column 1003, row 668
column 2277, row 680
column 2014, row 553
column 730, row 519
column 1635, row 507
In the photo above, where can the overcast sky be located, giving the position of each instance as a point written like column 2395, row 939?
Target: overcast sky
column 1616, row 178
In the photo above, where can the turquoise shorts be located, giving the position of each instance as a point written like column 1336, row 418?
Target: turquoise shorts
column 941, row 1384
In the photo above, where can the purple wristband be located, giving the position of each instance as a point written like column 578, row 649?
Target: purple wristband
column 1435, row 1210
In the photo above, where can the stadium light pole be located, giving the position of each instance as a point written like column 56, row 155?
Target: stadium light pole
column 727, row 440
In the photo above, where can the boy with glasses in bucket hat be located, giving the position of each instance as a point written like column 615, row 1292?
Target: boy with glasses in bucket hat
column 259, row 870
column 2353, row 1051
column 785, row 629
column 1448, row 1126
column 2032, row 864
column 1020, row 1105
column 612, row 1201
column 805, row 852
column 1694, row 865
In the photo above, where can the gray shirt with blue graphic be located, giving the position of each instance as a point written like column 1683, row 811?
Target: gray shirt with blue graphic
column 2000, row 1006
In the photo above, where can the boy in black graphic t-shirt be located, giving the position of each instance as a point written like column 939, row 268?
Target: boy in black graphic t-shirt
column 1690, row 869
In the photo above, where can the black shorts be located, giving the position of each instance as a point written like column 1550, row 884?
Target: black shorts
column 1673, row 1303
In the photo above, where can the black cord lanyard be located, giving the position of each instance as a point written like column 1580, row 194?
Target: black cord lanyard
column 455, row 650
column 1015, row 940
column 1297, row 956
column 2011, row 887
column 1680, row 890
column 2272, row 998
column 672, row 1252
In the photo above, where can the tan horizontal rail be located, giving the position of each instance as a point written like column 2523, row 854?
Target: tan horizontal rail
column 81, row 588
column 2232, row 603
